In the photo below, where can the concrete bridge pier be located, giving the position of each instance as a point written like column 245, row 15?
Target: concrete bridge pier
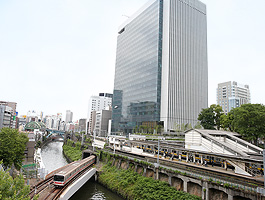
column 135, row 168
column 230, row 197
column 144, row 173
column 157, row 173
column 170, row 180
column 205, row 191
column 185, row 185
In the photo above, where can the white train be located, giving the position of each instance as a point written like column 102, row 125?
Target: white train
column 64, row 176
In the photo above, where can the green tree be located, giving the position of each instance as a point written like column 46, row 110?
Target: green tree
column 198, row 125
column 249, row 121
column 218, row 113
column 227, row 121
column 158, row 129
column 135, row 129
column 206, row 117
column 188, row 126
column 12, row 147
column 13, row 188
column 211, row 117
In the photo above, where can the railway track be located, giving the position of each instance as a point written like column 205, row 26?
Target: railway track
column 37, row 189
column 199, row 171
column 54, row 193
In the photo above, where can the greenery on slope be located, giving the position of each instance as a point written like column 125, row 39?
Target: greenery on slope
column 131, row 185
column 72, row 150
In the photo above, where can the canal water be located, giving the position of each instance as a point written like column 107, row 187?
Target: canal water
column 52, row 156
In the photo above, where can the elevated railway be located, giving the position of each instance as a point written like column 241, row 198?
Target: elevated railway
column 251, row 165
column 59, row 180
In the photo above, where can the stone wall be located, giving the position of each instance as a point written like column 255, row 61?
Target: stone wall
column 182, row 182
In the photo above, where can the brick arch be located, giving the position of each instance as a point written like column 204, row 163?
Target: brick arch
column 140, row 169
column 131, row 166
column 124, row 164
column 194, row 188
column 163, row 177
column 217, row 194
column 116, row 162
column 177, row 183
column 150, row 173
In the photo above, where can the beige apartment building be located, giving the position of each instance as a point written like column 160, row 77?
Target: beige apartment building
column 232, row 95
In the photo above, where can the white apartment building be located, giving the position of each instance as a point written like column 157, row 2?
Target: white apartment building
column 6, row 116
column 97, row 103
column 232, row 95
column 102, row 122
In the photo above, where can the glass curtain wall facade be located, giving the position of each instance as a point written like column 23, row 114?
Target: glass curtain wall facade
column 161, row 72
column 137, row 85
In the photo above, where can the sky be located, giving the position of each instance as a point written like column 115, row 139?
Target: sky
column 55, row 54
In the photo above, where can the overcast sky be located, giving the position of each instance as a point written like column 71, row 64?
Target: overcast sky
column 55, row 54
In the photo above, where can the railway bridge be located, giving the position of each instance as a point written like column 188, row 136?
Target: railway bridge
column 205, row 182
column 75, row 175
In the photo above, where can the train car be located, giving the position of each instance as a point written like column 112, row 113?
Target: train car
column 63, row 177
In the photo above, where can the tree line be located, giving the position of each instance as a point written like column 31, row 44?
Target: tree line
column 12, row 147
column 247, row 120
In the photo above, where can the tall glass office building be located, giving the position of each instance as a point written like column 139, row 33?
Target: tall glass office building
column 161, row 74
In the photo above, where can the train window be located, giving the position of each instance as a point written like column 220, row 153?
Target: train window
column 58, row 178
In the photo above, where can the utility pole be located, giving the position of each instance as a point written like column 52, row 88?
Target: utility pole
column 114, row 145
column 158, row 151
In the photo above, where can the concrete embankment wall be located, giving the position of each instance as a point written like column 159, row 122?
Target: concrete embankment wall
column 206, row 189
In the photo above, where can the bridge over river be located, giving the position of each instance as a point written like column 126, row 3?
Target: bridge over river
column 53, row 159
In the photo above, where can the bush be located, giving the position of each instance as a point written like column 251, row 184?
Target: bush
column 131, row 185
column 72, row 150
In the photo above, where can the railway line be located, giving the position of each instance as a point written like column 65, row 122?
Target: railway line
column 46, row 188
column 198, row 170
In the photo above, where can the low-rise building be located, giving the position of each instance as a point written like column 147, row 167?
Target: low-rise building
column 102, row 122
column 6, row 116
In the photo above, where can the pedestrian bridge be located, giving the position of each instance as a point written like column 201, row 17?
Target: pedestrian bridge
column 57, row 132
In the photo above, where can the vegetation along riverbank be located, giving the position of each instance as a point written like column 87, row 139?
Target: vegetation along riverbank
column 131, row 185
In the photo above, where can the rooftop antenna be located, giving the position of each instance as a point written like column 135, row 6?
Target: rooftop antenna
column 125, row 16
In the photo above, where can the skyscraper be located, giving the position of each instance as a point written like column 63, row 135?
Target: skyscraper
column 69, row 116
column 161, row 74
column 232, row 95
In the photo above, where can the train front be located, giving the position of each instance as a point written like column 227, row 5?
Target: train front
column 58, row 180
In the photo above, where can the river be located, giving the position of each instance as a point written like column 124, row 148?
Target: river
column 53, row 158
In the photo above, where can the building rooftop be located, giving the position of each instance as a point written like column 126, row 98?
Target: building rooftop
column 35, row 125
